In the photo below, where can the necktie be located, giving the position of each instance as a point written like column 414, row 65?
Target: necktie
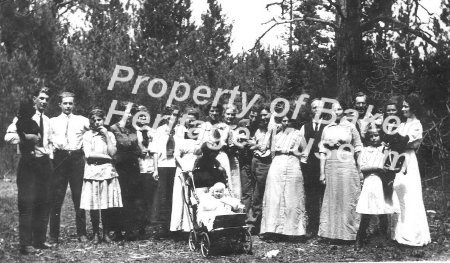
column 170, row 146
column 145, row 139
column 41, row 130
column 67, row 131
column 316, row 127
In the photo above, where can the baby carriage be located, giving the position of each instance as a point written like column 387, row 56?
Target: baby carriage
column 227, row 231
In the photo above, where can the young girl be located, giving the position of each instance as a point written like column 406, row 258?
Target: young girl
column 101, row 189
column 373, row 200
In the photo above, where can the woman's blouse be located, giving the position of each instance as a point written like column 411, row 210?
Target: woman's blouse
column 289, row 140
column 188, row 151
column 209, row 132
column 413, row 128
column 94, row 142
column 339, row 134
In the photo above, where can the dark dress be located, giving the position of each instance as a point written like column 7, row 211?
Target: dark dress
column 126, row 161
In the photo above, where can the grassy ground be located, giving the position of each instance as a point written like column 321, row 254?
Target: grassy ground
column 169, row 250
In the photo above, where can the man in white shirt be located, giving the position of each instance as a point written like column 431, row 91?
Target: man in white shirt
column 167, row 136
column 33, row 177
column 67, row 131
column 361, row 106
column 147, row 180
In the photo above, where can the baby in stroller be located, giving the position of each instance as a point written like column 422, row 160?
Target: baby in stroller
column 217, row 203
column 214, row 213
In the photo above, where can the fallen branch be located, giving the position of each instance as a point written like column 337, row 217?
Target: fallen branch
column 429, row 179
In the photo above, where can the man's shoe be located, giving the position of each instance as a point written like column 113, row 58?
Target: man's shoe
column 96, row 239
column 28, row 250
column 106, row 237
column 83, row 239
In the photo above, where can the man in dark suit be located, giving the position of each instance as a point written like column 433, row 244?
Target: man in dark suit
column 33, row 177
column 310, row 164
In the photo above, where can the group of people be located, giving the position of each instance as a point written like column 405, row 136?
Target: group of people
column 292, row 182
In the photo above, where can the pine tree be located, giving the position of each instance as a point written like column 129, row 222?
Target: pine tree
column 166, row 20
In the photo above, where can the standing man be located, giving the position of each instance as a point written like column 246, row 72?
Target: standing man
column 260, row 144
column 252, row 122
column 33, row 177
column 167, row 136
column 246, row 156
column 67, row 131
column 361, row 106
column 310, row 164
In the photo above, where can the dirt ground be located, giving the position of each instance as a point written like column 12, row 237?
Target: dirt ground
column 170, row 250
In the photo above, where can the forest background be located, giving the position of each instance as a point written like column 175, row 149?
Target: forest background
column 381, row 47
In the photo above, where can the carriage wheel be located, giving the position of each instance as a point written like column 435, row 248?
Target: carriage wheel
column 247, row 242
column 193, row 241
column 205, row 244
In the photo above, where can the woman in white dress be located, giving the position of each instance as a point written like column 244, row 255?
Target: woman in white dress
column 284, row 201
column 374, row 200
column 232, row 150
column 339, row 147
column 186, row 152
column 411, row 226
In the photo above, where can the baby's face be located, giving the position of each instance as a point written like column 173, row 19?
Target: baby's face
column 218, row 193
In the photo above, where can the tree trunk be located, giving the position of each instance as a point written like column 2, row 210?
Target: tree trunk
column 349, row 49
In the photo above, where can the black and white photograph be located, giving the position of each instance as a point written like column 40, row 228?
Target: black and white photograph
column 224, row 130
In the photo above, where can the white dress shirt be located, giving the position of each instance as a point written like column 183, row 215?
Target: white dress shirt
column 162, row 136
column 12, row 137
column 67, row 131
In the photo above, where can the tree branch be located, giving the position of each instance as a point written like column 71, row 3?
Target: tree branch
column 338, row 8
column 281, row 3
column 399, row 25
column 309, row 19
column 426, row 10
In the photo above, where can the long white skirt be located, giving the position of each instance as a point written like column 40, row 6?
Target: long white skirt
column 410, row 226
column 284, row 199
column 180, row 219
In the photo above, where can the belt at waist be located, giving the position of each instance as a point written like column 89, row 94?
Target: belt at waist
column 97, row 161
column 69, row 152
column 34, row 156
column 288, row 153
column 335, row 148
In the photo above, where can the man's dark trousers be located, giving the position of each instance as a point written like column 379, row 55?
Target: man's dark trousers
column 259, row 170
column 68, row 169
column 314, row 191
column 33, row 184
